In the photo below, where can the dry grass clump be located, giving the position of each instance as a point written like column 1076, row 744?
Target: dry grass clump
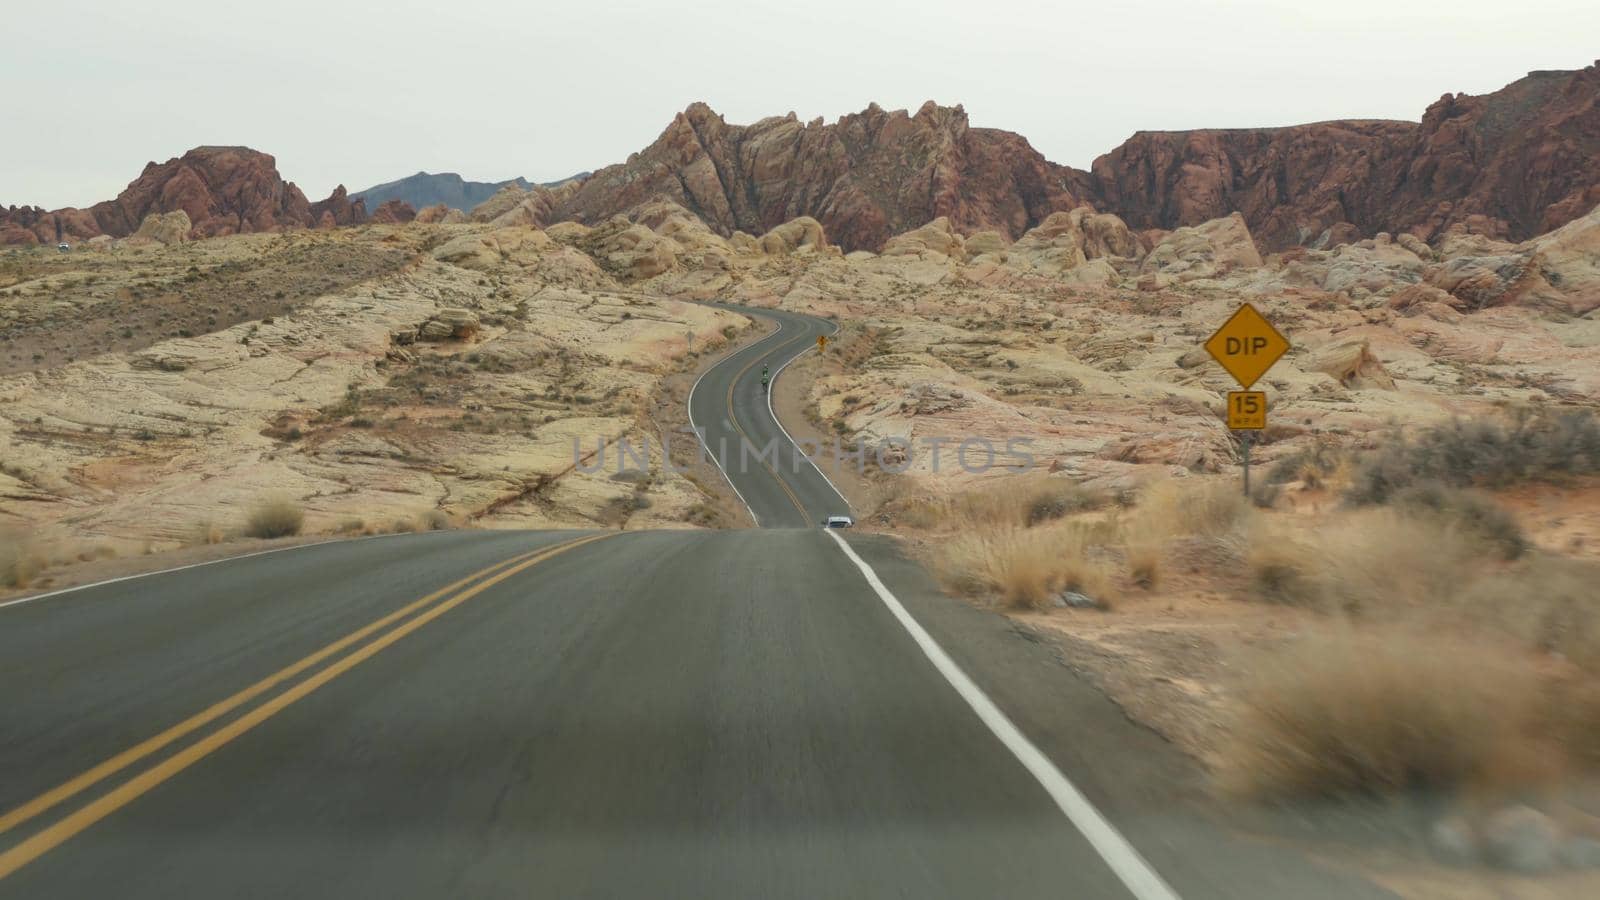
column 1531, row 445
column 1026, row 566
column 1172, row 509
column 1549, row 603
column 433, row 520
column 1006, row 502
column 1311, row 467
column 1212, row 508
column 206, row 533
column 1337, row 714
column 1468, row 510
column 25, row 554
column 20, row 559
column 275, row 517
column 1372, row 562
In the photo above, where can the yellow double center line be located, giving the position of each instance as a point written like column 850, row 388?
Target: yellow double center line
column 74, row 823
column 733, row 417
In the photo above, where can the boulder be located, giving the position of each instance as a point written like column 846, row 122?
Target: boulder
column 792, row 236
column 1522, row 839
column 629, row 249
column 439, row 214
column 937, row 238
column 1350, row 361
column 449, row 323
column 986, row 242
column 1052, row 247
column 1105, row 235
column 1204, row 251
column 393, row 212
column 165, row 228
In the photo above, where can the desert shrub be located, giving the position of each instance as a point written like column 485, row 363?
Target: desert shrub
column 1282, row 570
column 704, row 515
column 1025, row 567
column 433, row 520
column 1006, row 502
column 1471, row 511
column 1378, row 562
column 1196, row 508
column 20, row 560
column 275, row 517
column 207, row 532
column 1550, row 603
column 1338, row 715
column 351, row 525
column 1311, row 466
column 403, row 525
column 1531, row 445
column 1265, row 496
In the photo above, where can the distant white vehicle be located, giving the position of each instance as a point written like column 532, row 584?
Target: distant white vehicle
column 64, row 247
column 838, row 522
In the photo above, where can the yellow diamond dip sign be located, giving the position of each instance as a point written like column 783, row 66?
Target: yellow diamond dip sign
column 1246, row 346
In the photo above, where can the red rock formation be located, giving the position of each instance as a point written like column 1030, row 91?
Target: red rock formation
column 392, row 212
column 866, row 177
column 31, row 225
column 338, row 210
column 1511, row 164
column 223, row 190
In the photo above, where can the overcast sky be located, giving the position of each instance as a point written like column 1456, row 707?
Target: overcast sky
column 360, row 91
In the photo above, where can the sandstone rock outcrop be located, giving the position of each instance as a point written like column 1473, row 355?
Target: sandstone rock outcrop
column 793, row 236
column 449, row 323
column 1511, row 164
column 223, row 190
column 866, row 177
column 623, row 247
column 165, row 228
column 440, row 215
column 936, row 237
column 393, row 212
column 336, row 211
column 1204, row 251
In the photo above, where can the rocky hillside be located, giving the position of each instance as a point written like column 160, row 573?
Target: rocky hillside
column 1509, row 165
column 865, row 177
column 223, row 190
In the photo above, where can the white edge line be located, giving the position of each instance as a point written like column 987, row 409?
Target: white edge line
column 836, row 492
column 198, row 565
column 701, row 435
column 1124, row 860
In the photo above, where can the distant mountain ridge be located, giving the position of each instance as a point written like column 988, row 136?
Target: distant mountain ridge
column 426, row 189
column 1510, row 164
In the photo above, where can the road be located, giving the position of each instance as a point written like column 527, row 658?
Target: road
column 779, row 485
column 754, row 713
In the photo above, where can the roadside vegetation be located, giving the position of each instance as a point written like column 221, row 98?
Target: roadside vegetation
column 1440, row 649
column 32, row 560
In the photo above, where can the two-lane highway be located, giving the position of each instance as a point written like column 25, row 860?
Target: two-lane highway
column 733, row 411
column 757, row 713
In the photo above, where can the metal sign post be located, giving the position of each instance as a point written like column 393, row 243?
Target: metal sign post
column 1247, row 346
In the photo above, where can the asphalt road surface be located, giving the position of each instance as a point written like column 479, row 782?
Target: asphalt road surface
column 754, row 713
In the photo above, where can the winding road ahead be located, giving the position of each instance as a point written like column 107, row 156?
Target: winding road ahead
column 773, row 712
